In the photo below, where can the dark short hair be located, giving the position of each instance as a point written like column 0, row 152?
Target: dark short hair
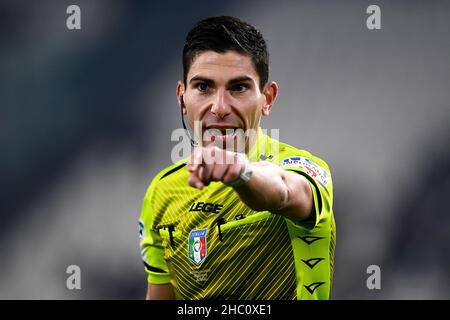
column 222, row 34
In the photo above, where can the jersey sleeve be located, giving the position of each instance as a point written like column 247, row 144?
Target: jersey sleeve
column 152, row 250
column 318, row 174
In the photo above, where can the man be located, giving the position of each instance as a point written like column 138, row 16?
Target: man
column 248, row 220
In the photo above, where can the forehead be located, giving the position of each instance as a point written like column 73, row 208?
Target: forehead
column 222, row 66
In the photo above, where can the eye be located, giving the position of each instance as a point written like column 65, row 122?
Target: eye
column 240, row 87
column 202, row 87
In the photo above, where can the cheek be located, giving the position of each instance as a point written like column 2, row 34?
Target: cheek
column 254, row 109
column 252, row 114
column 192, row 109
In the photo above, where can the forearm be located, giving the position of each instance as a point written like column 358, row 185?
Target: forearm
column 278, row 191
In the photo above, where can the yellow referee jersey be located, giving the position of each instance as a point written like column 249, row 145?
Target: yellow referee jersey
column 210, row 245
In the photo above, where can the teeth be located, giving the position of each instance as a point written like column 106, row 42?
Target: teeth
column 221, row 132
column 214, row 132
column 228, row 132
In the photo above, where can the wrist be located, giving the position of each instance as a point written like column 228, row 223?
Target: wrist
column 246, row 172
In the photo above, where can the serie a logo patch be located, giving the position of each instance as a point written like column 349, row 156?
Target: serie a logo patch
column 311, row 168
column 197, row 246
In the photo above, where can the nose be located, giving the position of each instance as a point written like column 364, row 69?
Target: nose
column 221, row 106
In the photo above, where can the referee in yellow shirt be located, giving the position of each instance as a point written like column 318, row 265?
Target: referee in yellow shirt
column 245, row 216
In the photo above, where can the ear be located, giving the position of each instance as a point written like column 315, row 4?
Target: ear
column 270, row 93
column 180, row 96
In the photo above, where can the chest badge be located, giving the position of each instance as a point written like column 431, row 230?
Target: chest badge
column 197, row 246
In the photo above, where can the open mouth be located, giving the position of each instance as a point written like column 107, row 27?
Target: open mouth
column 222, row 131
column 226, row 137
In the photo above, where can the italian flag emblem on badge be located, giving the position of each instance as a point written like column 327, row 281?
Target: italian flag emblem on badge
column 197, row 246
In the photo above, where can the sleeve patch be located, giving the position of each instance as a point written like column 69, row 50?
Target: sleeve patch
column 310, row 167
column 141, row 229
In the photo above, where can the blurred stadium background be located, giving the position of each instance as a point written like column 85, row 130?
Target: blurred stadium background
column 86, row 118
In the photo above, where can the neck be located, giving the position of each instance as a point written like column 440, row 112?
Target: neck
column 251, row 139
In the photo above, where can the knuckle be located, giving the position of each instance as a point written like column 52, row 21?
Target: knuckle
column 233, row 174
column 191, row 181
column 216, row 175
column 237, row 169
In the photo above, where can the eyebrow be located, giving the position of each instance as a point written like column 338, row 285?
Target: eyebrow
column 231, row 82
column 202, row 79
column 240, row 79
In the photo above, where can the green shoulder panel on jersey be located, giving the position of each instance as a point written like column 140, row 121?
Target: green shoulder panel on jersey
column 313, row 242
column 150, row 240
column 316, row 171
column 164, row 173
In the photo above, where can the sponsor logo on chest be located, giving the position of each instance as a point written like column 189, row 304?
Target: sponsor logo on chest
column 206, row 207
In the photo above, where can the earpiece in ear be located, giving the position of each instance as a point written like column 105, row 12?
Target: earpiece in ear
column 183, row 107
column 183, row 112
